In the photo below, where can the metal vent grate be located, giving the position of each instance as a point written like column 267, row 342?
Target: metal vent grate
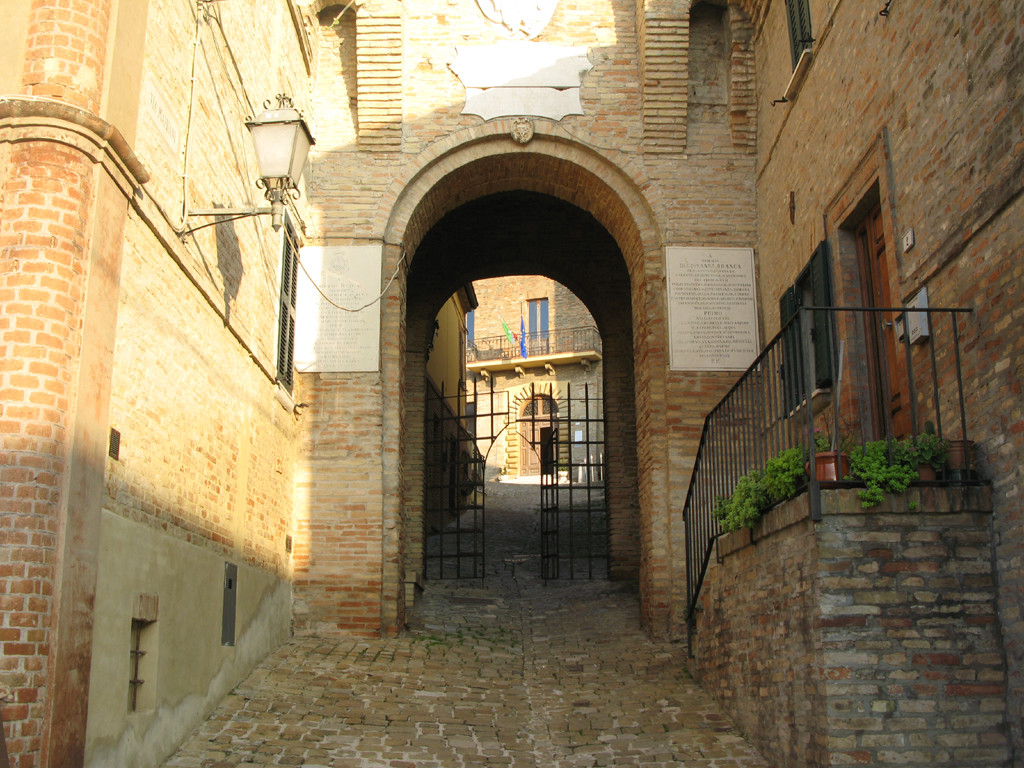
column 115, row 445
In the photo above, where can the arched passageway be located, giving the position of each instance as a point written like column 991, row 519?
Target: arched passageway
column 523, row 233
column 491, row 208
column 481, row 206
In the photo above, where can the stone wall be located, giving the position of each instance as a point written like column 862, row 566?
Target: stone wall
column 870, row 637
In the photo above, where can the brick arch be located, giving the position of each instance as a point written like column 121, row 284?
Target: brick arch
column 487, row 163
column 606, row 183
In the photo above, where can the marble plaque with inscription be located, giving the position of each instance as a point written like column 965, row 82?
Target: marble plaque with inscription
column 712, row 308
column 328, row 338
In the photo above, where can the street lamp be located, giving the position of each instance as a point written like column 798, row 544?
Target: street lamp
column 282, row 140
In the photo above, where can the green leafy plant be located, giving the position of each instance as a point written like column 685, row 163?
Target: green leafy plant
column 744, row 508
column 822, row 441
column 881, row 474
column 928, row 448
column 783, row 474
column 756, row 492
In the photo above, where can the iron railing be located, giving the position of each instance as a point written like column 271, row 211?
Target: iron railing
column 559, row 341
column 851, row 375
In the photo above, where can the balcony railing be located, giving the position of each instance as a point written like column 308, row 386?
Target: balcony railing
column 560, row 341
column 852, row 375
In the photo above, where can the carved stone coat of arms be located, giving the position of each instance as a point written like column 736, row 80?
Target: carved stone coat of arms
column 522, row 18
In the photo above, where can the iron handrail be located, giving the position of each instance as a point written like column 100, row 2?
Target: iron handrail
column 803, row 381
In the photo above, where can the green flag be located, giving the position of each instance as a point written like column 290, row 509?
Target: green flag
column 508, row 333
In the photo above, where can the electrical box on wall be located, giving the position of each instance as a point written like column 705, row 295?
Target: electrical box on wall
column 909, row 240
column 915, row 324
column 227, row 632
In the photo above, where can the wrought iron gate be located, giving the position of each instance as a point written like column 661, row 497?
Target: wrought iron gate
column 573, row 508
column 568, row 440
column 453, row 510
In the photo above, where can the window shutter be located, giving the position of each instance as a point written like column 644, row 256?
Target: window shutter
column 799, row 15
column 286, row 328
column 821, row 296
column 790, row 373
column 788, row 305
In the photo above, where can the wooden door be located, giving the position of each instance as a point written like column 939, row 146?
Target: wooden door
column 536, row 426
column 886, row 366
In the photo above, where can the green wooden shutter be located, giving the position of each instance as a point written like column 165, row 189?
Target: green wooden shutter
column 286, row 326
column 790, row 373
column 799, row 15
column 822, row 330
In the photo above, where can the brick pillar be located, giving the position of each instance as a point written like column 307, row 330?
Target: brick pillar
column 49, row 199
column 66, row 50
column 41, row 288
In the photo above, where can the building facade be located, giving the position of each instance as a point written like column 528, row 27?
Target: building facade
column 188, row 477
column 535, row 347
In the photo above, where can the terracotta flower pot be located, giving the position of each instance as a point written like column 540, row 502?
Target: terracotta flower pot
column 961, row 454
column 961, row 460
column 830, row 466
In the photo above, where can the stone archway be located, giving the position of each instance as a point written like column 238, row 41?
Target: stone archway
column 492, row 180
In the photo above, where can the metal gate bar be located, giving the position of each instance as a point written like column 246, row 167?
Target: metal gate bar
column 574, row 513
column 453, row 511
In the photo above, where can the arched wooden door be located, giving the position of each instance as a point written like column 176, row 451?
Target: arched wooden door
column 537, row 424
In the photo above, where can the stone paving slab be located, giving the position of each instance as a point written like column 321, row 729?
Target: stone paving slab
column 503, row 671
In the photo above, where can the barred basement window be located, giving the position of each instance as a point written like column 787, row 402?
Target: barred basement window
column 137, row 652
column 286, row 309
column 114, row 445
column 142, row 654
column 798, row 14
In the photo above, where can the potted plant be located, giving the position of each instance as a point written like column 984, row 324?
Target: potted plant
column 930, row 451
column 961, row 460
column 882, row 470
column 830, row 463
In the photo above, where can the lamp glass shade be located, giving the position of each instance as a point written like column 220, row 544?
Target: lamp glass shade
column 282, row 142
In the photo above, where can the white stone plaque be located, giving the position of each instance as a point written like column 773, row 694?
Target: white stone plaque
column 712, row 308
column 518, row 64
column 154, row 106
column 329, row 339
column 537, row 102
column 516, row 78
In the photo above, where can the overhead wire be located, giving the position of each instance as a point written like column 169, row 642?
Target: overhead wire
column 332, row 302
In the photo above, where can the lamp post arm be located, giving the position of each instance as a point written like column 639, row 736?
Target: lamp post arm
column 230, row 214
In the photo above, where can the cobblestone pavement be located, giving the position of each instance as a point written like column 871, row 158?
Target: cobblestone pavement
column 500, row 672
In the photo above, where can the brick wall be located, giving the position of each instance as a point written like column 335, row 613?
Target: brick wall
column 42, row 290
column 508, row 297
column 870, row 637
column 174, row 346
column 912, row 141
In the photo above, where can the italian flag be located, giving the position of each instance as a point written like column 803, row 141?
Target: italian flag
column 508, row 333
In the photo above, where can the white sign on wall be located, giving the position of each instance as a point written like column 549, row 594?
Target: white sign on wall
column 516, row 77
column 712, row 308
column 329, row 339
